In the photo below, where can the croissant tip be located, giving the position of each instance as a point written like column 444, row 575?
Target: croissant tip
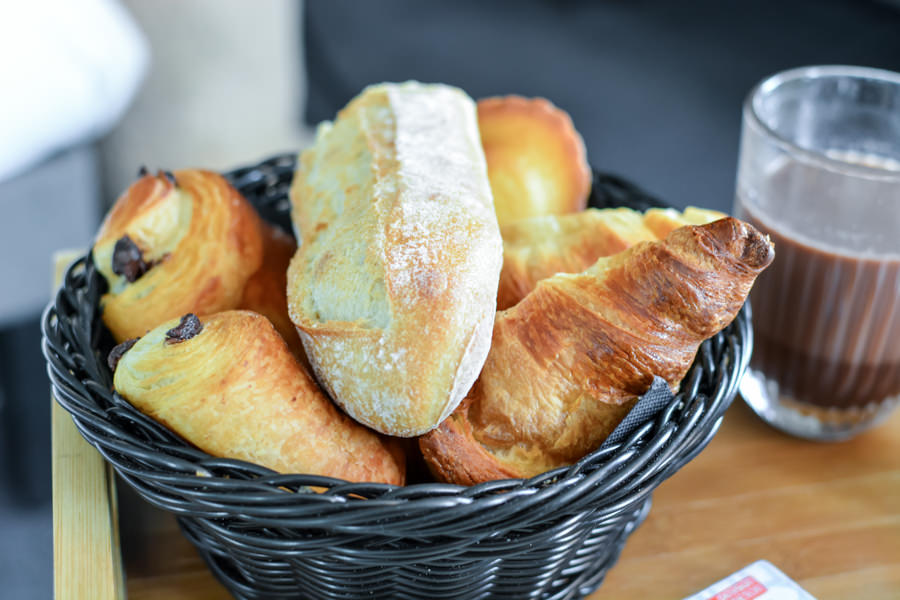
column 758, row 249
column 742, row 240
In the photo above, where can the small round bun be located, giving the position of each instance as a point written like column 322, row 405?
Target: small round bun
column 536, row 160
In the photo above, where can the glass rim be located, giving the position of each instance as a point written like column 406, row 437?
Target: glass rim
column 817, row 157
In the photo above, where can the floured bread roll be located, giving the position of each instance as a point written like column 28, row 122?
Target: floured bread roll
column 536, row 159
column 174, row 244
column 393, row 288
column 568, row 362
column 228, row 384
column 539, row 247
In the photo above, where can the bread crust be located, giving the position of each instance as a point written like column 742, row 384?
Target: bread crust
column 536, row 159
column 266, row 290
column 200, row 241
column 394, row 285
column 568, row 362
column 235, row 390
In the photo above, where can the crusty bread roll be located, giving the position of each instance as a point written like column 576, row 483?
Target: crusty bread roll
column 393, row 288
column 536, row 159
column 228, row 384
column 536, row 248
column 568, row 362
column 174, row 244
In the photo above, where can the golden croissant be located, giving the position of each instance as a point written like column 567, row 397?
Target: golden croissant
column 228, row 384
column 568, row 362
column 174, row 244
column 663, row 221
column 539, row 247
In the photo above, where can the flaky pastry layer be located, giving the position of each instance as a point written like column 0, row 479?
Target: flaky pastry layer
column 568, row 361
column 234, row 390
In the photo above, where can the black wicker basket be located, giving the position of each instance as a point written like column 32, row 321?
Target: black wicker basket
column 265, row 535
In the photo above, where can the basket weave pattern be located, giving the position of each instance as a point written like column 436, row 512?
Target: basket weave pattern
column 265, row 535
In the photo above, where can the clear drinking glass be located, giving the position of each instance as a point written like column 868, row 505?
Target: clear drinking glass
column 819, row 171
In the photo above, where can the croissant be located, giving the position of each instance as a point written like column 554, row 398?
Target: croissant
column 266, row 290
column 568, row 362
column 174, row 244
column 536, row 159
column 229, row 385
column 539, row 247
column 536, row 248
column 663, row 221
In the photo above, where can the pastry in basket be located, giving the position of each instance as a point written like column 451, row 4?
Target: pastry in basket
column 173, row 244
column 568, row 362
column 662, row 221
column 536, row 160
column 536, row 248
column 228, row 384
column 539, row 247
column 394, row 286
column 266, row 290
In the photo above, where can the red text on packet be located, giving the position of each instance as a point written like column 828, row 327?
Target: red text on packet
column 745, row 589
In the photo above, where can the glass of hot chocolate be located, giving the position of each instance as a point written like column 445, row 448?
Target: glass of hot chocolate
column 819, row 171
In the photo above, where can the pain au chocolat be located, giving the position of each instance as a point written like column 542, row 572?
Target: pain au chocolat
column 228, row 384
column 175, row 243
column 393, row 288
column 568, row 362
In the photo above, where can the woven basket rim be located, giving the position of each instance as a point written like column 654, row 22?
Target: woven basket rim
column 171, row 474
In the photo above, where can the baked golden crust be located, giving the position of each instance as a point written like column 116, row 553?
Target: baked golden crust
column 663, row 221
column 393, row 288
column 536, row 159
column 540, row 247
column 266, row 290
column 235, row 390
column 193, row 245
column 569, row 360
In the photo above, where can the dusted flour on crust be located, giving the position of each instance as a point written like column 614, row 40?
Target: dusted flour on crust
column 393, row 288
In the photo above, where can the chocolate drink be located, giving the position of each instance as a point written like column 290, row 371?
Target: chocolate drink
column 827, row 312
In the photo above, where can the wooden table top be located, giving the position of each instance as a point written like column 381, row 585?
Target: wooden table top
column 828, row 515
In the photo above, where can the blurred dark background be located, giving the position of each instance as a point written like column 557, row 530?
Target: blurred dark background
column 654, row 87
